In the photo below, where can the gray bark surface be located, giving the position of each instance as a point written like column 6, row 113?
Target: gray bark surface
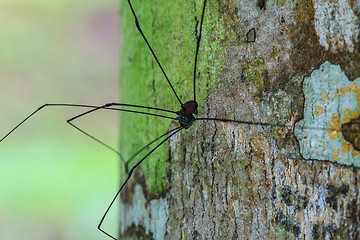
column 236, row 181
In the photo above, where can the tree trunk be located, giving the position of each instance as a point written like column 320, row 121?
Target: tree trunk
column 279, row 62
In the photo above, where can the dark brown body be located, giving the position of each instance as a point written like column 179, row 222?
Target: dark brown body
column 187, row 114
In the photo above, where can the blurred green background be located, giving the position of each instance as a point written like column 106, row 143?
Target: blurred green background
column 56, row 183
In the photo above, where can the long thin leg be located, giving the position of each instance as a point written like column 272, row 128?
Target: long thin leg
column 94, row 108
column 152, row 52
column 109, row 107
column 240, row 121
column 129, row 175
column 143, row 148
column 140, row 106
column 43, row 106
column 99, row 141
column 264, row 124
column 126, row 163
column 197, row 47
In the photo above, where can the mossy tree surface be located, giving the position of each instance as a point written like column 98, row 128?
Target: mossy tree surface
column 143, row 82
column 226, row 180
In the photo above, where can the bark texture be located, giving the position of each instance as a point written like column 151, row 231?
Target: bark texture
column 236, row 181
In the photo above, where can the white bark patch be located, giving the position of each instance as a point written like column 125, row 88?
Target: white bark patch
column 330, row 100
column 152, row 218
column 335, row 24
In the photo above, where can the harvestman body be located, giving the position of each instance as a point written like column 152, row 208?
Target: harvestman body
column 185, row 117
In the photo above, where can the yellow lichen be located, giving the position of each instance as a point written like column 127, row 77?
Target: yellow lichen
column 335, row 155
column 341, row 92
column 346, row 147
column 319, row 110
column 356, row 89
column 356, row 153
column 335, row 119
column 334, row 129
column 348, row 89
column 347, row 115
column 355, row 114
column 325, row 97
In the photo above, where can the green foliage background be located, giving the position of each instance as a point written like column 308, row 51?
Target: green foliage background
column 55, row 182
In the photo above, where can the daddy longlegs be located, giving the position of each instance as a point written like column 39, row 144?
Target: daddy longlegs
column 185, row 116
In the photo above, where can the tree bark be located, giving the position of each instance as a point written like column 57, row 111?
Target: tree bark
column 279, row 62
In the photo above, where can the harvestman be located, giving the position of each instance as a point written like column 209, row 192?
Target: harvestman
column 185, row 117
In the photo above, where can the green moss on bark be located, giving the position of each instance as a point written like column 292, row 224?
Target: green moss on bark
column 171, row 29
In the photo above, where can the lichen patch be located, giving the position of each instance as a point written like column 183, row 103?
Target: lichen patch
column 149, row 222
column 336, row 25
column 326, row 115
